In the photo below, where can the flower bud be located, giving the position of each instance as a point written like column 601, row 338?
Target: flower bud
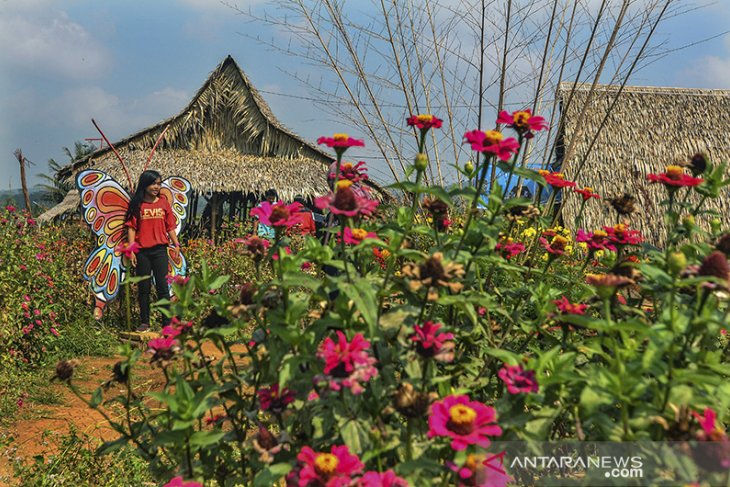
column 715, row 224
column 688, row 222
column 421, row 162
column 469, row 167
column 676, row 263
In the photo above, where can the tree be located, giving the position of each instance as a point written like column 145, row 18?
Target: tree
column 55, row 189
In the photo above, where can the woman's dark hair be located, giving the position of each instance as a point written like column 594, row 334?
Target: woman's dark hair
column 146, row 179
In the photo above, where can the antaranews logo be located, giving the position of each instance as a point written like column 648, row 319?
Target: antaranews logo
column 613, row 466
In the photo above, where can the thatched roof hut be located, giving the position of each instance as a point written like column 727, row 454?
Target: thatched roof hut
column 647, row 129
column 226, row 142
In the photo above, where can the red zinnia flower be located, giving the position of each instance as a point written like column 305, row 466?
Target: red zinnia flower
column 587, row 193
column 346, row 202
column 567, row 308
column 278, row 215
column 340, row 143
column 674, row 177
column 430, row 343
column 621, row 234
column 349, row 171
column 354, row 236
column 347, row 364
column 481, row 471
column 273, row 400
column 465, row 421
column 10, row 209
column 377, row 479
column 492, row 142
column 556, row 179
column 127, row 249
column 333, row 469
column 163, row 348
column 510, row 249
column 255, row 246
column 424, row 122
column 517, row 379
column 523, row 122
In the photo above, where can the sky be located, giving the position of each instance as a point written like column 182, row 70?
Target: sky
column 131, row 64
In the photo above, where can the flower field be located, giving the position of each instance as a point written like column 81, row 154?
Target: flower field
column 415, row 341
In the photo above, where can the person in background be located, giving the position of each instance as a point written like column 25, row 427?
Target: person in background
column 265, row 231
column 151, row 223
column 306, row 224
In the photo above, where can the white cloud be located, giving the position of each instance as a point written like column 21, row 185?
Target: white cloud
column 39, row 39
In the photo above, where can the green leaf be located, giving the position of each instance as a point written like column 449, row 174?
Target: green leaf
column 271, row 475
column 96, row 398
column 355, row 436
column 592, row 398
column 218, row 282
column 112, row 446
column 201, row 439
column 363, row 295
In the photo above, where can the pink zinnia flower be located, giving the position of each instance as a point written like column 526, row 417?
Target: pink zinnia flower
column 432, row 344
column 180, row 482
column 556, row 179
column 256, row 246
column 347, row 364
column 163, row 348
column 465, row 421
column 517, row 379
column 354, row 236
column 377, row 479
column 674, row 178
column 556, row 246
column 481, row 471
column 334, row 469
column 345, row 201
column 510, row 249
column 597, row 240
column 279, row 215
column 340, row 141
column 273, row 400
column 10, row 209
column 351, row 172
column 424, row 121
column 567, row 308
column 492, row 142
column 523, row 122
column 128, row 249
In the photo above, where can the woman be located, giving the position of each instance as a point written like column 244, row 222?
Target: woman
column 151, row 223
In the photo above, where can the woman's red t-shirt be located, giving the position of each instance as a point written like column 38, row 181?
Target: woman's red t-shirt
column 155, row 220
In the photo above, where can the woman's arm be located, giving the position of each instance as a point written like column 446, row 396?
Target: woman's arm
column 131, row 235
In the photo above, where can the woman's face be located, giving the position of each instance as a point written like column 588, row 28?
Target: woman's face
column 153, row 190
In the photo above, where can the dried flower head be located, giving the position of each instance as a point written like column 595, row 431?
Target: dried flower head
column 412, row 403
column 715, row 265
column 65, row 370
column 723, row 244
column 433, row 274
column 624, row 205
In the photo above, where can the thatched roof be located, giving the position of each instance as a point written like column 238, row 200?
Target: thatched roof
column 226, row 139
column 648, row 129
column 69, row 203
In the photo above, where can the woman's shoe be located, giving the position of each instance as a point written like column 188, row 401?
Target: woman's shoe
column 143, row 328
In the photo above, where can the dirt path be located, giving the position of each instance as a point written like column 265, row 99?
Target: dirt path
column 38, row 426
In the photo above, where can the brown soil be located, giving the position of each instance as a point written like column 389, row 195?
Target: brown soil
column 38, row 425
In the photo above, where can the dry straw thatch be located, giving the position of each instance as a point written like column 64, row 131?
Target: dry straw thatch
column 227, row 139
column 647, row 129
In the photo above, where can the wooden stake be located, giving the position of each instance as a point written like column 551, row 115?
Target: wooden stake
column 22, row 160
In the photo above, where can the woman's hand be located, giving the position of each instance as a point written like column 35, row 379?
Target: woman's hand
column 133, row 259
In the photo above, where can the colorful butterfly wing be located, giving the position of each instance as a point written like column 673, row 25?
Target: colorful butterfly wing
column 177, row 191
column 104, row 203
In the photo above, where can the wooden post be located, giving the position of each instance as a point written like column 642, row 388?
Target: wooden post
column 213, row 216
column 21, row 159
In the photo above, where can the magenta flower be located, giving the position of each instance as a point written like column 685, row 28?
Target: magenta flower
column 567, row 308
column 273, row 400
column 10, row 209
column 341, row 141
column 621, row 234
column 510, row 249
column 481, row 471
column 351, row 172
column 523, row 122
column 127, row 249
column 334, row 469
column 465, row 421
column 556, row 246
column 347, row 364
column 492, row 142
column 345, row 201
column 432, row 344
column 354, row 236
column 517, row 379
column 377, row 479
column 279, row 215
column 424, row 122
column 163, row 348
column 180, row 482
column 597, row 240
column 256, row 246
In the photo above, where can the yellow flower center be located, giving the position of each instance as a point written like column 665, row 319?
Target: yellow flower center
column 343, row 183
column 600, row 233
column 424, row 118
column 543, row 172
column 493, row 136
column 559, row 242
column 462, row 415
column 588, row 188
column 472, row 462
column 521, row 118
column 339, row 137
column 359, row 233
column 346, row 166
column 326, row 464
column 385, row 254
column 619, row 228
column 674, row 172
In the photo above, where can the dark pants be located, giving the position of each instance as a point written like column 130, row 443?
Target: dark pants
column 152, row 261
